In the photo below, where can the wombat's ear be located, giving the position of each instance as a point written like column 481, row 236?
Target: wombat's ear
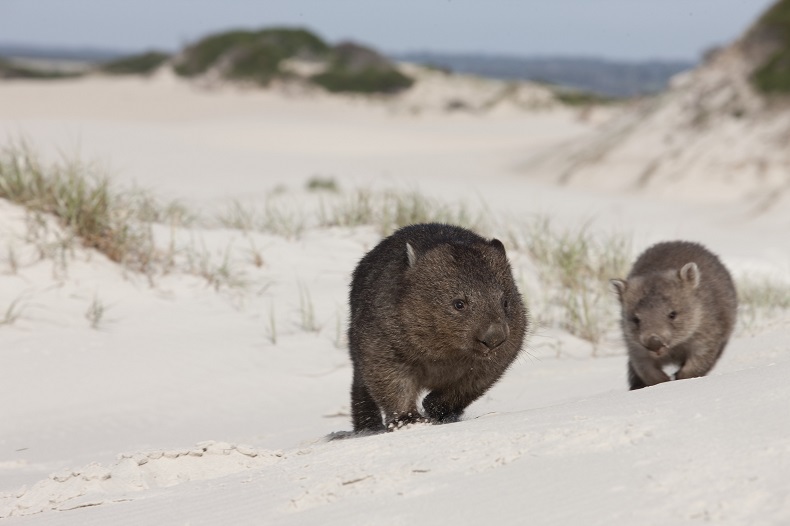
column 619, row 287
column 411, row 255
column 497, row 244
column 690, row 274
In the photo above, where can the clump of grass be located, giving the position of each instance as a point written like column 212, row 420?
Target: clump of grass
column 575, row 268
column 306, row 310
column 149, row 209
column 239, row 217
column 387, row 210
column 82, row 201
column 95, row 313
column 390, row 210
column 217, row 269
column 322, row 184
column 277, row 217
column 761, row 298
column 255, row 255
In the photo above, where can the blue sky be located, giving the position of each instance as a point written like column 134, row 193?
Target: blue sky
column 618, row 29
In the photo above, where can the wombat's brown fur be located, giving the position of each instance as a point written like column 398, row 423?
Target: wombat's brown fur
column 678, row 307
column 433, row 308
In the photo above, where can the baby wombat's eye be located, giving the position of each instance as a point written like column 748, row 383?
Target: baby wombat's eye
column 673, row 315
column 504, row 303
column 635, row 319
column 459, row 304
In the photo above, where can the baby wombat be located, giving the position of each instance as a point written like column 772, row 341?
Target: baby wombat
column 433, row 307
column 678, row 307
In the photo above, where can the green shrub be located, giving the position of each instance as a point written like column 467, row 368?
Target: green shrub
column 774, row 75
column 198, row 58
column 249, row 55
column 366, row 81
column 257, row 61
column 294, row 42
column 773, row 28
column 357, row 69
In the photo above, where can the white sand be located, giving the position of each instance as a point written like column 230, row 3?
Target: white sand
column 181, row 409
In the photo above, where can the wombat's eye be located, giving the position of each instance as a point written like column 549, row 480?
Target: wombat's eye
column 635, row 319
column 459, row 304
column 673, row 315
column 504, row 303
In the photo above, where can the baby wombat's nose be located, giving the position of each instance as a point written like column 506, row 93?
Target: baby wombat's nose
column 494, row 335
column 654, row 343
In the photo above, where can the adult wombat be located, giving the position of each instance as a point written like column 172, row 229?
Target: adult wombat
column 433, row 307
column 678, row 307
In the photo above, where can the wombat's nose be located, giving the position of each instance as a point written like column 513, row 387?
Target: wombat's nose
column 654, row 343
column 495, row 335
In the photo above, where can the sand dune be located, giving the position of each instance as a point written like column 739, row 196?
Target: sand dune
column 204, row 394
column 710, row 138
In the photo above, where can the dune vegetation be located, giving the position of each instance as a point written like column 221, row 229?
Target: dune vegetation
column 141, row 64
column 12, row 70
column 119, row 223
column 259, row 56
column 772, row 32
column 355, row 68
column 249, row 55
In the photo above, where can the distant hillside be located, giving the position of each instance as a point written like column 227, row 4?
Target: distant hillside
column 59, row 53
column 36, row 69
column 722, row 127
column 39, row 62
column 258, row 57
column 606, row 77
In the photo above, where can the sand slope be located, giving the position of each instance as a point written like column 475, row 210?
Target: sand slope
column 710, row 138
column 182, row 406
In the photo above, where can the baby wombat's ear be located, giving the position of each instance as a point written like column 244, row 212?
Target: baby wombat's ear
column 689, row 274
column 411, row 255
column 497, row 244
column 619, row 287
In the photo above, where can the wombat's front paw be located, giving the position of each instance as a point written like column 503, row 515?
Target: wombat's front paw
column 439, row 410
column 450, row 418
column 403, row 420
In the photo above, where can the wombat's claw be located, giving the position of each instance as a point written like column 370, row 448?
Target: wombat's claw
column 406, row 420
column 447, row 418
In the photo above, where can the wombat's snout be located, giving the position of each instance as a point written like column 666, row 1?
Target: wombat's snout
column 494, row 335
column 653, row 342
